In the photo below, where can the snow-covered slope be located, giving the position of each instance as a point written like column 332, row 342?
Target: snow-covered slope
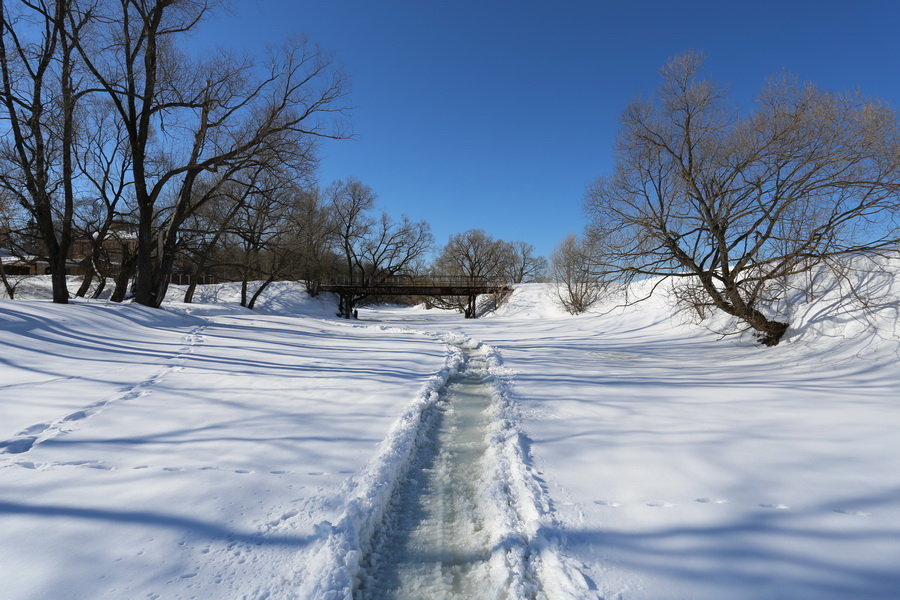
column 208, row 451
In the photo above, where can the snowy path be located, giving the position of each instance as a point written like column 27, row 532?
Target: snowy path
column 451, row 508
column 435, row 541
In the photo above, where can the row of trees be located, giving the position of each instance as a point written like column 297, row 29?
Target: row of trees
column 161, row 162
column 107, row 119
column 269, row 228
column 734, row 204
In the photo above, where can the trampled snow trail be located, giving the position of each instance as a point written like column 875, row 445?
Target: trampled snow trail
column 435, row 541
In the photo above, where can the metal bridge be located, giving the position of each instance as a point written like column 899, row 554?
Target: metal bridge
column 416, row 286
column 352, row 290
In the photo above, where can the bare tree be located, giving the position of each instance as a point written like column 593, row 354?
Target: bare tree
column 350, row 204
column 188, row 118
column 577, row 286
column 210, row 222
column 314, row 230
column 477, row 258
column 373, row 249
column 104, row 167
column 6, row 219
column 737, row 202
column 264, row 227
column 525, row 265
column 40, row 88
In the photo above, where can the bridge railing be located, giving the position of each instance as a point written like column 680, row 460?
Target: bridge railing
column 409, row 281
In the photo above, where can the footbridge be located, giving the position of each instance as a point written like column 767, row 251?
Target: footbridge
column 416, row 286
column 351, row 290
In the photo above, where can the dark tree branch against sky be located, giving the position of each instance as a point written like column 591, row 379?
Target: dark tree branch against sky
column 495, row 114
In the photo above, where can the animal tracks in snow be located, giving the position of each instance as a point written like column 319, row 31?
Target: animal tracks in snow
column 26, row 439
column 707, row 500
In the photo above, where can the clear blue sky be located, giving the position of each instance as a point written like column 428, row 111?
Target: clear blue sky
column 495, row 114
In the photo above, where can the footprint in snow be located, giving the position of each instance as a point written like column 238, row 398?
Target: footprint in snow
column 607, row 503
column 661, row 504
column 17, row 446
column 38, row 428
column 712, row 500
column 775, row 506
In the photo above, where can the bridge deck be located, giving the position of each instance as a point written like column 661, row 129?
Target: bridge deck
column 437, row 286
column 414, row 290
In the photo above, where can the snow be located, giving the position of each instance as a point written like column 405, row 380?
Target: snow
column 208, row 451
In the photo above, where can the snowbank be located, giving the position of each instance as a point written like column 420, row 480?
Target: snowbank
column 209, row 451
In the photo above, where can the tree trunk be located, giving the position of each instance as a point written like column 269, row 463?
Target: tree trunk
column 101, row 285
column 470, row 311
column 123, row 277
column 88, row 279
column 768, row 331
column 10, row 289
column 58, row 277
column 259, row 291
column 191, row 288
column 143, row 283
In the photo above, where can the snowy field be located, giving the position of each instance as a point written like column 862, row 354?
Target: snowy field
column 207, row 451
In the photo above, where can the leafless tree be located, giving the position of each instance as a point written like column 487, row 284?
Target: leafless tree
column 225, row 197
column 373, row 249
column 314, row 230
column 187, row 119
column 6, row 219
column 477, row 258
column 265, row 229
column 577, row 285
column 350, row 204
column 525, row 265
column 103, row 166
column 40, row 88
column 739, row 201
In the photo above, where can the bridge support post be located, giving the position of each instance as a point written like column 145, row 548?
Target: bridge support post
column 471, row 306
column 345, row 305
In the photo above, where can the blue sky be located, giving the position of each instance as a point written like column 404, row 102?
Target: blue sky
column 495, row 114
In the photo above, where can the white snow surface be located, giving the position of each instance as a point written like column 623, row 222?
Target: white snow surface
column 208, row 451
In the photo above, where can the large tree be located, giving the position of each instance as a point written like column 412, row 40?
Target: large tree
column 738, row 201
column 476, row 259
column 525, row 265
column 40, row 90
column 373, row 249
column 188, row 120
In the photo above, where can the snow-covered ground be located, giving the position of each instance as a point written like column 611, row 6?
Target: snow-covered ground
column 207, row 451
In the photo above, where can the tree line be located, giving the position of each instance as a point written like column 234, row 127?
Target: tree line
column 154, row 162
column 107, row 119
column 116, row 138
column 735, row 203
